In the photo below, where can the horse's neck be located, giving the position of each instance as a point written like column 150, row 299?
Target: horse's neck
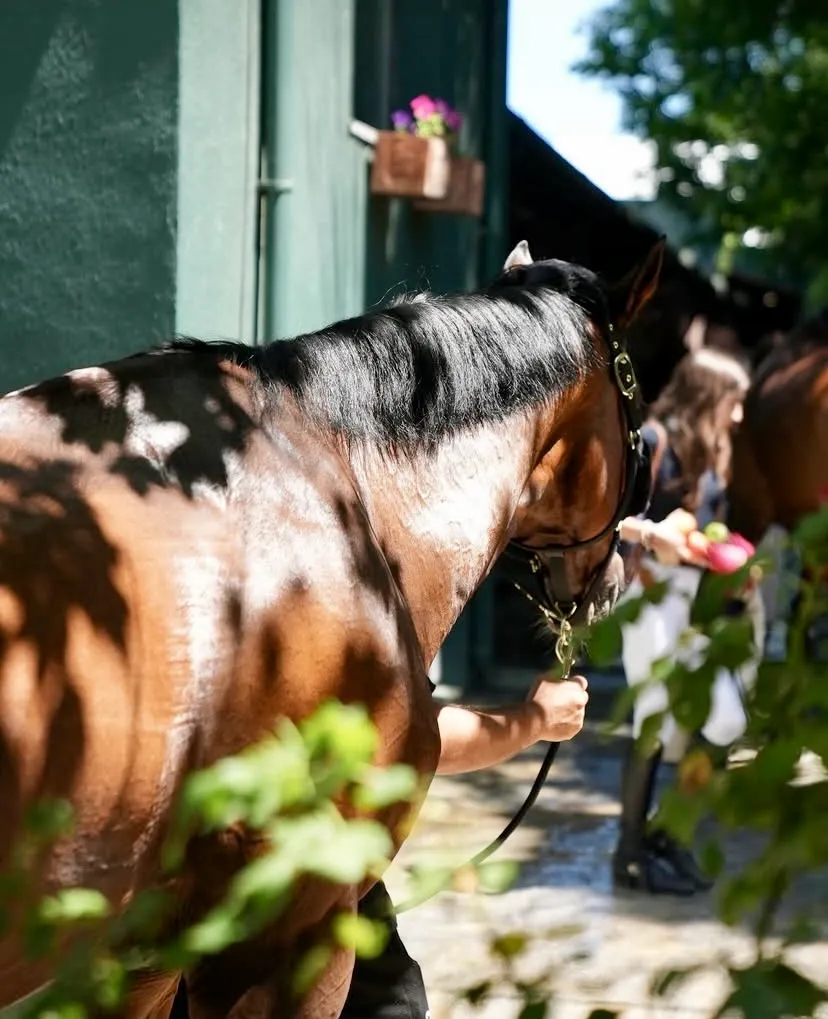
column 441, row 518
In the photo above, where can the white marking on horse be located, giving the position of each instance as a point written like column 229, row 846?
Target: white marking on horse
column 456, row 510
column 148, row 435
column 97, row 380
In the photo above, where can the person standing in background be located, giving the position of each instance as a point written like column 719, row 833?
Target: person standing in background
column 688, row 432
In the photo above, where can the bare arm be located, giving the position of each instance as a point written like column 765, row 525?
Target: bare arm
column 636, row 531
column 474, row 738
column 665, row 539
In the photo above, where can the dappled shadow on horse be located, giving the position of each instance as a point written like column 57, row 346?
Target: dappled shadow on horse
column 197, row 542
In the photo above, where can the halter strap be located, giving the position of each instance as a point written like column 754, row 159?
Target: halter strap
column 547, row 565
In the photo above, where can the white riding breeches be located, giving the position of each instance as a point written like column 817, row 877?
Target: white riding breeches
column 657, row 634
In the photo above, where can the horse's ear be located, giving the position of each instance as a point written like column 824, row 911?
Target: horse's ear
column 695, row 333
column 518, row 256
column 628, row 297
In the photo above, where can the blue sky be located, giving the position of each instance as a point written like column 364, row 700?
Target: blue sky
column 578, row 116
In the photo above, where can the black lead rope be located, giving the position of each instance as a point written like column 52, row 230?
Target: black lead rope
column 564, row 654
column 525, row 807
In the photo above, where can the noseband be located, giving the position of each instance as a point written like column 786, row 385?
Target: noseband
column 547, row 566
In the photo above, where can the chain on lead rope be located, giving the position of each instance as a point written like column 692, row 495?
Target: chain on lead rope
column 565, row 643
column 565, row 648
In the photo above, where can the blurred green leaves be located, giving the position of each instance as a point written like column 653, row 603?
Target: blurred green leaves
column 301, row 793
column 767, row 793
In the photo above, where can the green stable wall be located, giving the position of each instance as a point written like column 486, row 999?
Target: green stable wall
column 444, row 48
column 128, row 165
column 315, row 193
column 218, row 166
column 88, row 177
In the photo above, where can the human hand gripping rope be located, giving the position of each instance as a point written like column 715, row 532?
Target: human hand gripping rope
column 565, row 653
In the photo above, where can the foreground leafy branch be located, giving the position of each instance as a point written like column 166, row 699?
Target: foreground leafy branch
column 302, row 789
column 767, row 795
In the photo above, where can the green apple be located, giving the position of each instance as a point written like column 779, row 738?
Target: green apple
column 716, row 532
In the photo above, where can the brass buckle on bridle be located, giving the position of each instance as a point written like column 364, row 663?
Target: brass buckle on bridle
column 625, row 374
column 564, row 644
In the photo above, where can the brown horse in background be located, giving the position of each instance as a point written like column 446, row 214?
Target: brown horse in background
column 780, row 450
column 197, row 542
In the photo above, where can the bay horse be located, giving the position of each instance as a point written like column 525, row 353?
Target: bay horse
column 198, row 541
column 780, row 462
column 780, row 449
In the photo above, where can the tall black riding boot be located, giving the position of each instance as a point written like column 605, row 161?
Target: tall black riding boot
column 665, row 845
column 636, row 864
column 680, row 858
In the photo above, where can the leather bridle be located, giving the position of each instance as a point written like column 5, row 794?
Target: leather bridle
column 548, row 585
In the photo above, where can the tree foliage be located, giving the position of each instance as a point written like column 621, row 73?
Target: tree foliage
column 734, row 95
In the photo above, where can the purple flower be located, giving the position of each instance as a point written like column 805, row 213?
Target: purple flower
column 454, row 121
column 423, row 106
column 442, row 107
column 401, row 119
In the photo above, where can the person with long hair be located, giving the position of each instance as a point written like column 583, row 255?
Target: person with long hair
column 688, row 432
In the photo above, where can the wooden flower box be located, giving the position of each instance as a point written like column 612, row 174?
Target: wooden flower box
column 406, row 166
column 466, row 190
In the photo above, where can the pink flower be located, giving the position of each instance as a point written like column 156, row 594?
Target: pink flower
column 423, row 107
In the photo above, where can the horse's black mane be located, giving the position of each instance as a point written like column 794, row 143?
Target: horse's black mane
column 424, row 367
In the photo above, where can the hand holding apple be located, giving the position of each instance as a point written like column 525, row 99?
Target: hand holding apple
column 670, row 540
column 682, row 521
column 677, row 539
column 724, row 551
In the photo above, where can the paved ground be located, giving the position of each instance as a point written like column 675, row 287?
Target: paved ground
column 616, row 942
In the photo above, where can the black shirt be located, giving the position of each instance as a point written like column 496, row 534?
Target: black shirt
column 669, row 492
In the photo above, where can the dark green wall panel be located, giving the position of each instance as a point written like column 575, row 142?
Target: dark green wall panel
column 88, row 156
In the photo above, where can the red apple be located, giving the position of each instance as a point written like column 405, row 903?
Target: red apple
column 724, row 557
column 743, row 543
